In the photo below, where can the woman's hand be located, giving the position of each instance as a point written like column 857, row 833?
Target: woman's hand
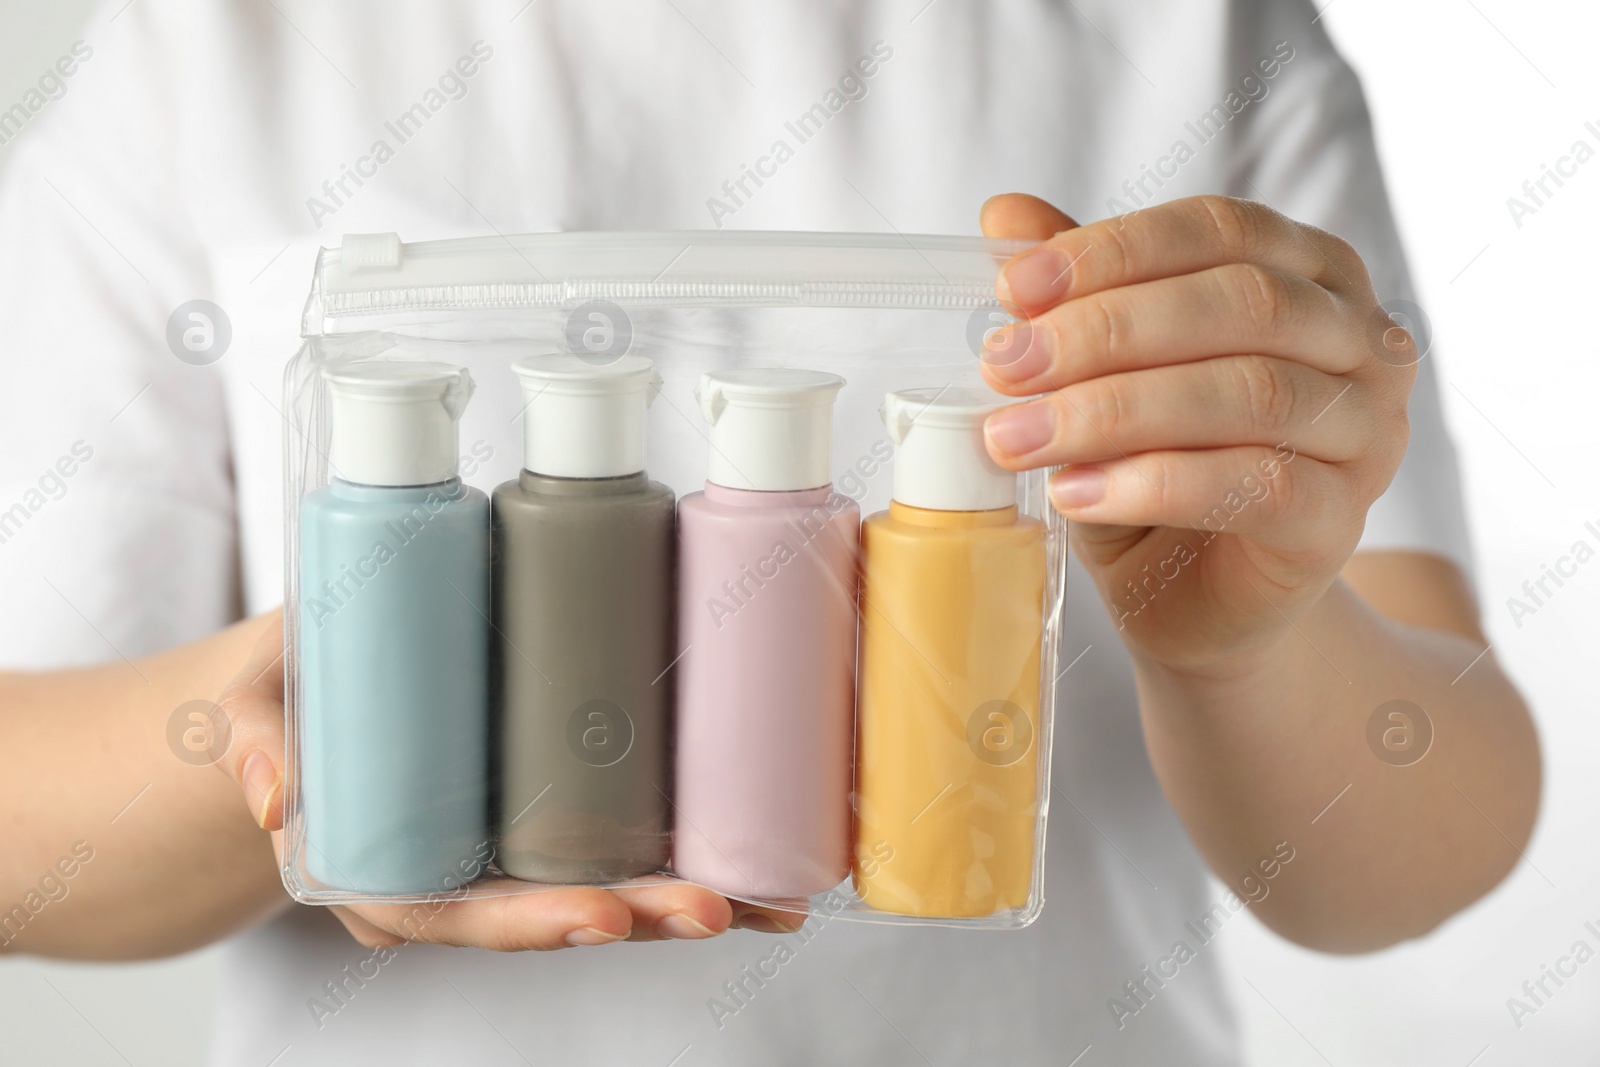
column 1227, row 398
column 545, row 919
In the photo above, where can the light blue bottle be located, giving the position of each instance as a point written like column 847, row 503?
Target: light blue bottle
column 393, row 640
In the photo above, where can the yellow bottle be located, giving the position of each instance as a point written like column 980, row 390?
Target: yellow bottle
column 952, row 604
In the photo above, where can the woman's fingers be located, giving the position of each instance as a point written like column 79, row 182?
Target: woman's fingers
column 1272, row 494
column 1021, row 216
column 253, row 705
column 1170, row 239
column 1214, row 403
column 676, row 910
column 1236, row 308
column 547, row 919
column 538, row 921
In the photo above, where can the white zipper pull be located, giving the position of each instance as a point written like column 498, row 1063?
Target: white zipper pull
column 370, row 251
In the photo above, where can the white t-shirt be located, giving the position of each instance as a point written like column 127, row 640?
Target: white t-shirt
column 181, row 161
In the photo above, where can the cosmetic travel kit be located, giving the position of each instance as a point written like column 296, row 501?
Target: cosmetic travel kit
column 750, row 606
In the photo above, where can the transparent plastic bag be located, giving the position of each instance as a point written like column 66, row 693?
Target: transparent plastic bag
column 807, row 696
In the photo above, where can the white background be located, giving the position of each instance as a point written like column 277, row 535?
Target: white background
column 1471, row 98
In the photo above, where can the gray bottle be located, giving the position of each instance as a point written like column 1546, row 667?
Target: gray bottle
column 583, row 606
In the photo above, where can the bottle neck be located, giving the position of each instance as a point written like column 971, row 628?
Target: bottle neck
column 905, row 513
column 449, row 489
column 550, row 485
column 767, row 498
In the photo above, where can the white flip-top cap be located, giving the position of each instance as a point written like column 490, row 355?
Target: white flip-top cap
column 940, row 461
column 583, row 419
column 771, row 428
column 394, row 423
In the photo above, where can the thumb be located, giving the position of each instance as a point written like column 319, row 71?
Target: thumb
column 253, row 704
column 1021, row 216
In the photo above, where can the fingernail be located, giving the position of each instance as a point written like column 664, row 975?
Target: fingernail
column 1035, row 279
column 260, row 780
column 588, row 935
column 1019, row 352
column 683, row 928
column 1078, row 487
column 1019, row 430
column 760, row 923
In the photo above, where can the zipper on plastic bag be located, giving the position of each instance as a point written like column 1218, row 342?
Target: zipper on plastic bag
column 374, row 280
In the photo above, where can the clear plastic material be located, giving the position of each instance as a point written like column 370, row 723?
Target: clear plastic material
column 808, row 699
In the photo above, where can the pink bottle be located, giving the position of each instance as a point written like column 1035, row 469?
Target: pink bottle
column 767, row 618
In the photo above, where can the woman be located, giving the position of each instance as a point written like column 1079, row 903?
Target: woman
column 1219, row 718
